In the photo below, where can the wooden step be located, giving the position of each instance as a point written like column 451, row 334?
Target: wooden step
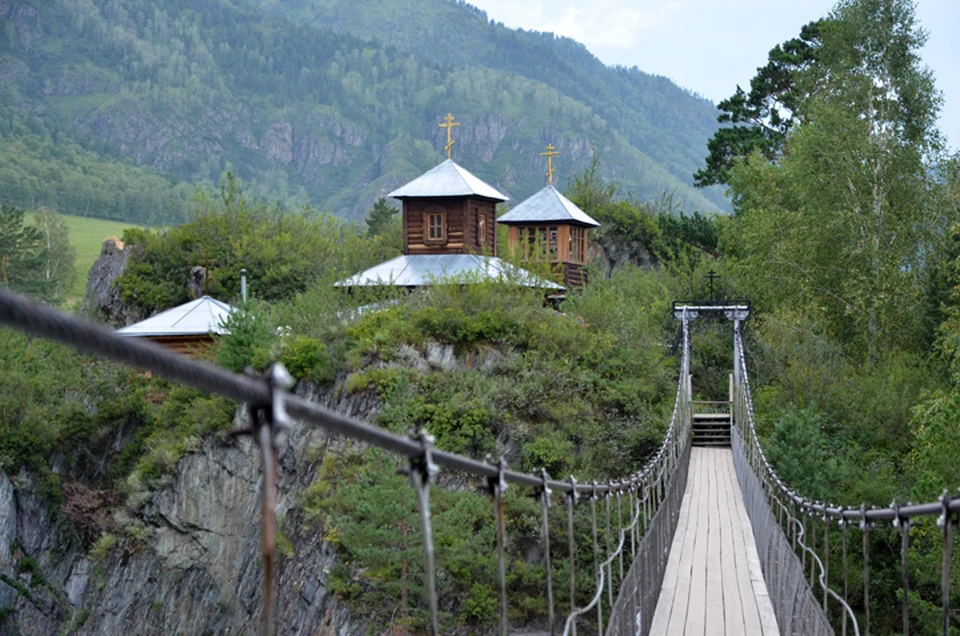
column 712, row 432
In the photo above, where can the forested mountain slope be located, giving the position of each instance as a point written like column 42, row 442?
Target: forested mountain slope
column 310, row 113
column 655, row 115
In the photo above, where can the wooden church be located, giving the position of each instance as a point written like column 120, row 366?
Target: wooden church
column 549, row 227
column 449, row 232
column 447, row 210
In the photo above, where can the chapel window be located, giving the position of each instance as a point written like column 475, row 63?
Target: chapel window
column 435, row 230
column 578, row 245
column 539, row 242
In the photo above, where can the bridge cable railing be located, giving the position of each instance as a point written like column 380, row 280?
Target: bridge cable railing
column 802, row 519
column 633, row 610
column 272, row 408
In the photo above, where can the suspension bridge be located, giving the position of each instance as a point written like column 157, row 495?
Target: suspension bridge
column 703, row 539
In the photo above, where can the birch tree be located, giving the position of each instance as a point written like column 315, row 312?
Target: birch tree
column 59, row 256
column 842, row 223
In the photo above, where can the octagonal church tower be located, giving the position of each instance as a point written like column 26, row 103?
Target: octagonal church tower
column 550, row 227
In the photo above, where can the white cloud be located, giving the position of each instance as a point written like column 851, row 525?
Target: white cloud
column 609, row 24
column 612, row 24
column 710, row 46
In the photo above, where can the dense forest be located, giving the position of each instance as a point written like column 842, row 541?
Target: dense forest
column 162, row 94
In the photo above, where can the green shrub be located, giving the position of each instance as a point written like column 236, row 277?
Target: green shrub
column 306, row 358
column 102, row 547
column 248, row 338
column 551, row 450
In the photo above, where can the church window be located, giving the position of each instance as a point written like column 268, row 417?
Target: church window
column 435, row 230
column 539, row 243
column 578, row 245
column 482, row 229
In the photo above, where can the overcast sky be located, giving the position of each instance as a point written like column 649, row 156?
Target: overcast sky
column 710, row 46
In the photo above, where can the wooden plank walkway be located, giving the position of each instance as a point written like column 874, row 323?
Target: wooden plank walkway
column 713, row 583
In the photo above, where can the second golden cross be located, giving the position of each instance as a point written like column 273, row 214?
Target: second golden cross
column 549, row 154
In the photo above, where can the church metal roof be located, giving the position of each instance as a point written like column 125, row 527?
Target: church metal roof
column 548, row 206
column 448, row 180
column 415, row 270
column 197, row 317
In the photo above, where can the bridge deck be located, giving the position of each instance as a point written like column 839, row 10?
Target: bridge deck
column 713, row 583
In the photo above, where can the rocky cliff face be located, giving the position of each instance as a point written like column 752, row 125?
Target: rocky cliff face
column 101, row 297
column 189, row 562
column 612, row 254
column 25, row 20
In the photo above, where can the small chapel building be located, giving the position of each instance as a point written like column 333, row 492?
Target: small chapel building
column 449, row 233
column 549, row 227
column 191, row 328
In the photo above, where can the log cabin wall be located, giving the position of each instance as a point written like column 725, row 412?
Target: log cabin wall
column 488, row 210
column 198, row 346
column 461, row 219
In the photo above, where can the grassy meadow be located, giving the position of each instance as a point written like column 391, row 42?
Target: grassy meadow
column 86, row 235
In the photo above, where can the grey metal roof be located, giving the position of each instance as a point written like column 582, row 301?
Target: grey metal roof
column 447, row 180
column 415, row 270
column 197, row 317
column 546, row 206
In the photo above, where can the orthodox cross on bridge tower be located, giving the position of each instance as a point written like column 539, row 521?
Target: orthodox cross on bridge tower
column 449, row 124
column 711, row 277
column 549, row 154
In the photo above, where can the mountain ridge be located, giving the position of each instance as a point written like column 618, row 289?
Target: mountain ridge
column 329, row 118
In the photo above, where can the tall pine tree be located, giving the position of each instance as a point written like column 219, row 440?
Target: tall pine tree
column 22, row 254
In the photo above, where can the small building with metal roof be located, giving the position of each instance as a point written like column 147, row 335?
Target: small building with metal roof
column 447, row 210
column 449, row 232
column 187, row 328
column 416, row 270
column 550, row 227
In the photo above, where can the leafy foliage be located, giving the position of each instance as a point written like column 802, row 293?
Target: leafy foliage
column 530, row 370
column 853, row 245
column 650, row 232
column 60, row 255
column 284, row 253
column 841, row 237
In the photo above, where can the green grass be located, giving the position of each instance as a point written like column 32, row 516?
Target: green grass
column 87, row 236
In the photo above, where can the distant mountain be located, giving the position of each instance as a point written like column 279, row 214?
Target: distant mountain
column 664, row 121
column 318, row 101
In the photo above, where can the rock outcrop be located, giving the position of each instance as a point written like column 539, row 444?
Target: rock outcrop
column 277, row 142
column 613, row 254
column 194, row 566
column 25, row 19
column 101, row 297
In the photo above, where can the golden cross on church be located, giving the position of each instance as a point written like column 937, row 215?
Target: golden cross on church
column 449, row 125
column 549, row 154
